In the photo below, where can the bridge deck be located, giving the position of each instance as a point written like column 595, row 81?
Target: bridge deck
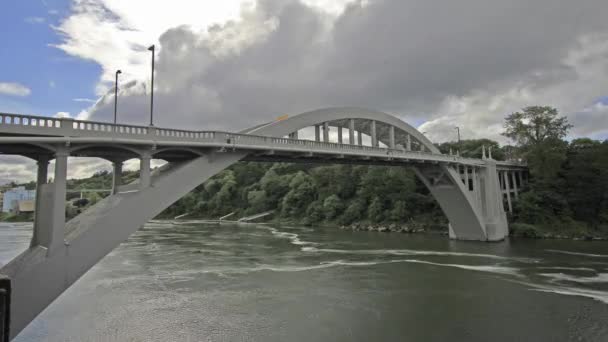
column 20, row 129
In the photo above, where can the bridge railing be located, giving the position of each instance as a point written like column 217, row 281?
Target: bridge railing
column 74, row 128
column 30, row 124
column 29, row 121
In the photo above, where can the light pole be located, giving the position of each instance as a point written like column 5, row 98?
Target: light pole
column 151, row 48
column 458, row 129
column 116, row 94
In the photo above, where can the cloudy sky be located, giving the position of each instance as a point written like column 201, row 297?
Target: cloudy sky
column 230, row 64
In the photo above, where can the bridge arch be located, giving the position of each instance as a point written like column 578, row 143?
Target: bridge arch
column 333, row 114
column 463, row 211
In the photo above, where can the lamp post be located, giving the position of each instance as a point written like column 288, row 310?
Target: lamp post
column 458, row 129
column 151, row 48
column 116, row 94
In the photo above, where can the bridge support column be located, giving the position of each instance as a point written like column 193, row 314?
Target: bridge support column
column 116, row 176
column 57, row 223
column 491, row 198
column 41, row 180
column 326, row 131
column 340, row 141
column 144, row 172
column 391, row 137
column 372, row 133
column 351, row 131
column 505, row 181
column 317, row 133
column 475, row 186
column 514, row 181
column 359, row 138
column 408, row 143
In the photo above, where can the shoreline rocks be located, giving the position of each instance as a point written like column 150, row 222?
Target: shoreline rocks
column 405, row 229
column 390, row 228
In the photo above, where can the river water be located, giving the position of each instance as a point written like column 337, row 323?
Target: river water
column 195, row 281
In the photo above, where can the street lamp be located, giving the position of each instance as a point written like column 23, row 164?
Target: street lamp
column 116, row 94
column 151, row 48
column 459, row 147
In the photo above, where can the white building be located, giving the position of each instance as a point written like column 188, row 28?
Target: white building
column 12, row 197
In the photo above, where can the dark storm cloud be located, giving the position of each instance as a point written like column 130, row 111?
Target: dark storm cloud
column 404, row 57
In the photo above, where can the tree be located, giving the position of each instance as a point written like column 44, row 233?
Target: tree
column 314, row 212
column 538, row 132
column 332, row 206
column 375, row 211
column 399, row 213
column 354, row 212
column 302, row 192
column 535, row 125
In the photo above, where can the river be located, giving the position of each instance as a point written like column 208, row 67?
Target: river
column 195, row 281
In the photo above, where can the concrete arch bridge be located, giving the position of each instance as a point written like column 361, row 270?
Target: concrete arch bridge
column 471, row 192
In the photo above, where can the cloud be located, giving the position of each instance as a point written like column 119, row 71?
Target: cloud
column 14, row 89
column 34, row 20
column 478, row 62
column 84, row 100
column 439, row 64
column 15, row 168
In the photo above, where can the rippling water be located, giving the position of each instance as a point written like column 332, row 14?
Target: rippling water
column 194, row 281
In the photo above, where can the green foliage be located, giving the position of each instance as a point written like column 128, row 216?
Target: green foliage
column 314, row 212
column 535, row 125
column 354, row 212
column 525, row 230
column 375, row 211
column 303, row 193
column 568, row 189
column 332, row 207
column 400, row 212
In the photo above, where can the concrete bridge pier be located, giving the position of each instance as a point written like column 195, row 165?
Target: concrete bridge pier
column 144, row 170
column 57, row 203
column 495, row 218
column 116, row 175
column 41, row 181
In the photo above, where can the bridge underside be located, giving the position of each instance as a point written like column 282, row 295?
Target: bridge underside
column 61, row 252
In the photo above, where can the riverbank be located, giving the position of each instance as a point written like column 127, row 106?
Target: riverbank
column 517, row 230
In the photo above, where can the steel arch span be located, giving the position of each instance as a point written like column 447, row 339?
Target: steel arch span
column 467, row 190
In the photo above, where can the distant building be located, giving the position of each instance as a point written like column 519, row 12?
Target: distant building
column 12, row 197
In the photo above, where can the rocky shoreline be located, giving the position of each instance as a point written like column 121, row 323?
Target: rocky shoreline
column 390, row 228
column 405, row 229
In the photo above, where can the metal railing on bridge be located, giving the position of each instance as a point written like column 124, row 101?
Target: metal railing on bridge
column 68, row 127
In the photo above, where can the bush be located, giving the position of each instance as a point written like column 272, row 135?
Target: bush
column 524, row 230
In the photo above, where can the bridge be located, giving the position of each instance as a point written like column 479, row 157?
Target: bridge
column 473, row 193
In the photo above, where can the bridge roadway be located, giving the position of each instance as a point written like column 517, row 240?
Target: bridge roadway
column 20, row 134
column 472, row 193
